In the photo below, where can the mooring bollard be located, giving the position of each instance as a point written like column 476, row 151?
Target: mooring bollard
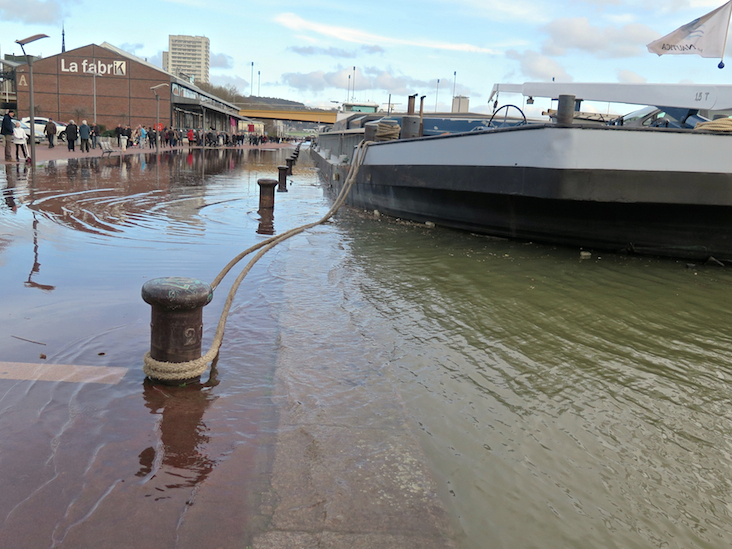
column 266, row 222
column 177, row 317
column 266, row 193
column 290, row 162
column 565, row 110
column 282, row 187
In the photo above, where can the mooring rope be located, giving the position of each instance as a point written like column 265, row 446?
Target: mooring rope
column 719, row 125
column 172, row 371
column 387, row 132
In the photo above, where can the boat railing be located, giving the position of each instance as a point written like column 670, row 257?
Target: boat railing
column 340, row 142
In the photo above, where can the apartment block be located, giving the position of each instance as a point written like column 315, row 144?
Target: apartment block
column 188, row 57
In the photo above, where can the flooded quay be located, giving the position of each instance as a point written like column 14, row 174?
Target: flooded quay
column 518, row 395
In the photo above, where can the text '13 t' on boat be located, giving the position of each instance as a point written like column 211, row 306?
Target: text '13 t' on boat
column 655, row 182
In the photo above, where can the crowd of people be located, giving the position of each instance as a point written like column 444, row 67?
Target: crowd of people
column 87, row 135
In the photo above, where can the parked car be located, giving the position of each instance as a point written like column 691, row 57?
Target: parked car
column 39, row 135
column 41, row 126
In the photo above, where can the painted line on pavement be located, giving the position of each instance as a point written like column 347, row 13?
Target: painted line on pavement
column 61, row 372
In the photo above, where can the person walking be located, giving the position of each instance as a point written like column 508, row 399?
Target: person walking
column 94, row 134
column 19, row 139
column 50, row 131
column 7, row 132
column 72, row 133
column 85, row 134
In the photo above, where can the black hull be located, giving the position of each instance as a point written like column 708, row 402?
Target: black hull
column 537, row 205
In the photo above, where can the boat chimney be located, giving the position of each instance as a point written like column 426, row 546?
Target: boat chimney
column 565, row 110
column 411, row 104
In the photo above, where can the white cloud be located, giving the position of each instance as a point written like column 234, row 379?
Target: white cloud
column 348, row 34
column 221, row 61
column 242, row 86
column 366, row 80
column 605, row 42
column 536, row 66
column 531, row 11
column 33, row 11
column 630, row 77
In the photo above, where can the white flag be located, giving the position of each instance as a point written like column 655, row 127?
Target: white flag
column 706, row 36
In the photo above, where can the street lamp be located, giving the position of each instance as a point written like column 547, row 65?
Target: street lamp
column 28, row 60
column 157, row 114
column 94, row 74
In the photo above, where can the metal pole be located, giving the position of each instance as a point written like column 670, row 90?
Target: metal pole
column 259, row 82
column 95, row 97
column 30, row 85
column 157, row 114
column 251, row 87
column 32, row 113
column 437, row 93
column 354, row 83
column 157, row 122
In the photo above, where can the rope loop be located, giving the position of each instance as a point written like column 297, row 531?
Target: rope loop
column 178, row 371
column 719, row 125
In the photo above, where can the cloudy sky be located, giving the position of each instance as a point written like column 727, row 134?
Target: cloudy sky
column 307, row 50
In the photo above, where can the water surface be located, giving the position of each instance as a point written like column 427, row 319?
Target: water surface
column 561, row 402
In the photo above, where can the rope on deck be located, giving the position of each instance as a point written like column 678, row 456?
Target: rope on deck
column 387, row 132
column 172, row 371
column 719, row 125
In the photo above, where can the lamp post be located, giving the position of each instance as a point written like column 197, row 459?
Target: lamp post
column 94, row 74
column 157, row 115
column 437, row 93
column 28, row 60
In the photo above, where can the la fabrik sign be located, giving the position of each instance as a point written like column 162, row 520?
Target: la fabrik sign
column 114, row 68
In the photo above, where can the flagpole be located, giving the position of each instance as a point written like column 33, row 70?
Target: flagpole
column 721, row 62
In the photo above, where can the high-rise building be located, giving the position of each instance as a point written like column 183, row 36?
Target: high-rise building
column 188, row 57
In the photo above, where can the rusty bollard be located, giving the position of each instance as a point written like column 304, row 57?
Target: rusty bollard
column 177, row 317
column 290, row 162
column 266, row 222
column 282, row 187
column 266, row 193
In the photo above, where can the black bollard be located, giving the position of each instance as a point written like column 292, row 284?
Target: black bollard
column 266, row 193
column 282, row 187
column 177, row 317
column 290, row 162
column 266, row 222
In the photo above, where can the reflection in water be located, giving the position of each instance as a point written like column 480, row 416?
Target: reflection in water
column 135, row 465
column 8, row 191
column 182, row 435
column 567, row 403
column 36, row 268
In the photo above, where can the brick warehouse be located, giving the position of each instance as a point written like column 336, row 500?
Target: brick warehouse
column 64, row 90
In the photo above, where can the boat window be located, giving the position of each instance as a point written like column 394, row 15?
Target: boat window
column 638, row 115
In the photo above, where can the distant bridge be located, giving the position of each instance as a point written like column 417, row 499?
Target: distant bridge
column 319, row 117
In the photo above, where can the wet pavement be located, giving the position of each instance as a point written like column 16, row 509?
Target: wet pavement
column 299, row 438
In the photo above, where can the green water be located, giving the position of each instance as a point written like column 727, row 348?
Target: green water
column 562, row 402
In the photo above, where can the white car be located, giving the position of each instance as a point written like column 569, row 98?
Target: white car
column 41, row 126
column 39, row 135
column 41, row 122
